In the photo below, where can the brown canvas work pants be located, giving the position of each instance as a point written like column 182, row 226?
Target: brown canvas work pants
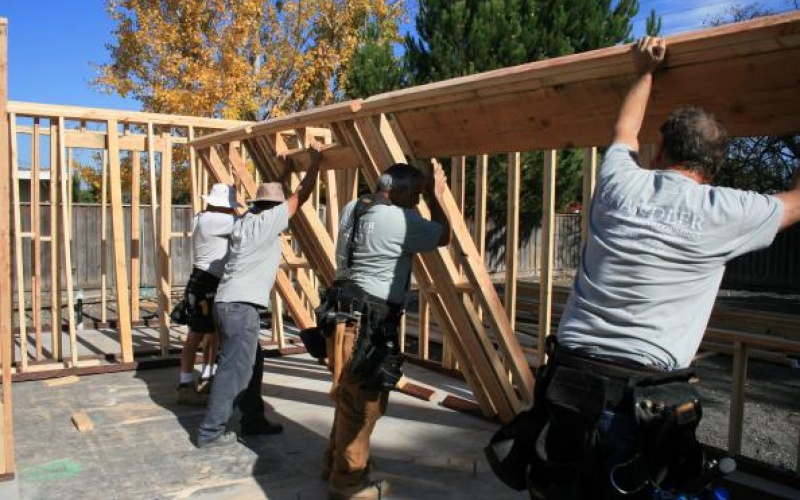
column 357, row 411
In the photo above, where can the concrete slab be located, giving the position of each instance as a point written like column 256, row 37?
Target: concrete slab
column 140, row 447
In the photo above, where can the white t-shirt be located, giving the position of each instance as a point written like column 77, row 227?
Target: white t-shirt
column 654, row 260
column 210, row 238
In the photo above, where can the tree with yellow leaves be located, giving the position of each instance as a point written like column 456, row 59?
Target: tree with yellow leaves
column 238, row 59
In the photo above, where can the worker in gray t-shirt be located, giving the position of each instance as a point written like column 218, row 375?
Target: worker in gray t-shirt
column 659, row 239
column 378, row 235
column 613, row 399
column 245, row 286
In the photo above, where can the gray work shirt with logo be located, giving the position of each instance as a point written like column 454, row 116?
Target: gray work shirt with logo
column 654, row 260
column 387, row 237
column 254, row 257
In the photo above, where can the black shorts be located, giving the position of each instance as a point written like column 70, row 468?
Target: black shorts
column 200, row 292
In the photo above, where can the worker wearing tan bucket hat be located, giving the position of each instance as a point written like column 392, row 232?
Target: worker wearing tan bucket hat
column 245, row 287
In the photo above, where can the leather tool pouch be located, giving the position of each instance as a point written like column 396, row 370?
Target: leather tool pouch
column 667, row 410
column 376, row 352
column 567, row 446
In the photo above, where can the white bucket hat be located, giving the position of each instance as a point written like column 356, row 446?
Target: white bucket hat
column 270, row 191
column 222, row 195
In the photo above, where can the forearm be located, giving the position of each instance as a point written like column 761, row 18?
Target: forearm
column 438, row 215
column 631, row 114
column 308, row 183
column 791, row 208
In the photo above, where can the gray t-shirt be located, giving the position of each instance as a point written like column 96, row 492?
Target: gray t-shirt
column 210, row 237
column 254, row 258
column 387, row 236
column 654, row 261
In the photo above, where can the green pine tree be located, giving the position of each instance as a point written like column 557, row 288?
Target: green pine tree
column 374, row 67
column 461, row 37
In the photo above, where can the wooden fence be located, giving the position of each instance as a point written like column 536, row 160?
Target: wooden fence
column 774, row 268
column 93, row 254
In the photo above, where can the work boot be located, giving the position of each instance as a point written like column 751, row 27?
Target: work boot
column 262, row 428
column 187, row 395
column 372, row 490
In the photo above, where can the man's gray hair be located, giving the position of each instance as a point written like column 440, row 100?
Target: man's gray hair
column 400, row 177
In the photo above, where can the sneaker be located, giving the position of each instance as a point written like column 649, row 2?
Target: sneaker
column 263, row 428
column 187, row 395
column 372, row 490
column 227, row 438
column 204, row 385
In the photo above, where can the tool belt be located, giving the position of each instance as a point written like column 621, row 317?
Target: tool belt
column 196, row 308
column 567, row 444
column 376, row 356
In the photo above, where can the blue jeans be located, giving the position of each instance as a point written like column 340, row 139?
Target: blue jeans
column 240, row 370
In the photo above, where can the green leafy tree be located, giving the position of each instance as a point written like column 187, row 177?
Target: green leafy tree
column 766, row 163
column 462, row 37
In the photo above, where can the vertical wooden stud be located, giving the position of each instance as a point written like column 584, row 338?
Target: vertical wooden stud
column 19, row 268
column 7, row 442
column 512, row 236
column 151, row 165
column 66, row 233
column 36, row 229
column 118, row 238
column 136, row 242
column 55, row 248
column 104, row 239
column 165, row 230
column 737, row 398
column 548, row 249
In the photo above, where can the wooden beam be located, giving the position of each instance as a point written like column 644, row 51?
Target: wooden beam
column 133, row 117
column 165, row 235
column 136, row 229
column 19, row 269
column 7, row 465
column 548, row 249
column 745, row 73
column 66, row 228
column 316, row 116
column 119, row 243
column 737, row 398
column 104, row 237
column 512, row 235
column 36, row 230
column 154, row 223
column 55, row 248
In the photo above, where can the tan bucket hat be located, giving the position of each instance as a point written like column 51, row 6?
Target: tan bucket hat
column 270, row 191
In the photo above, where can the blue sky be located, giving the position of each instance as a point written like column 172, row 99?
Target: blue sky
column 52, row 44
